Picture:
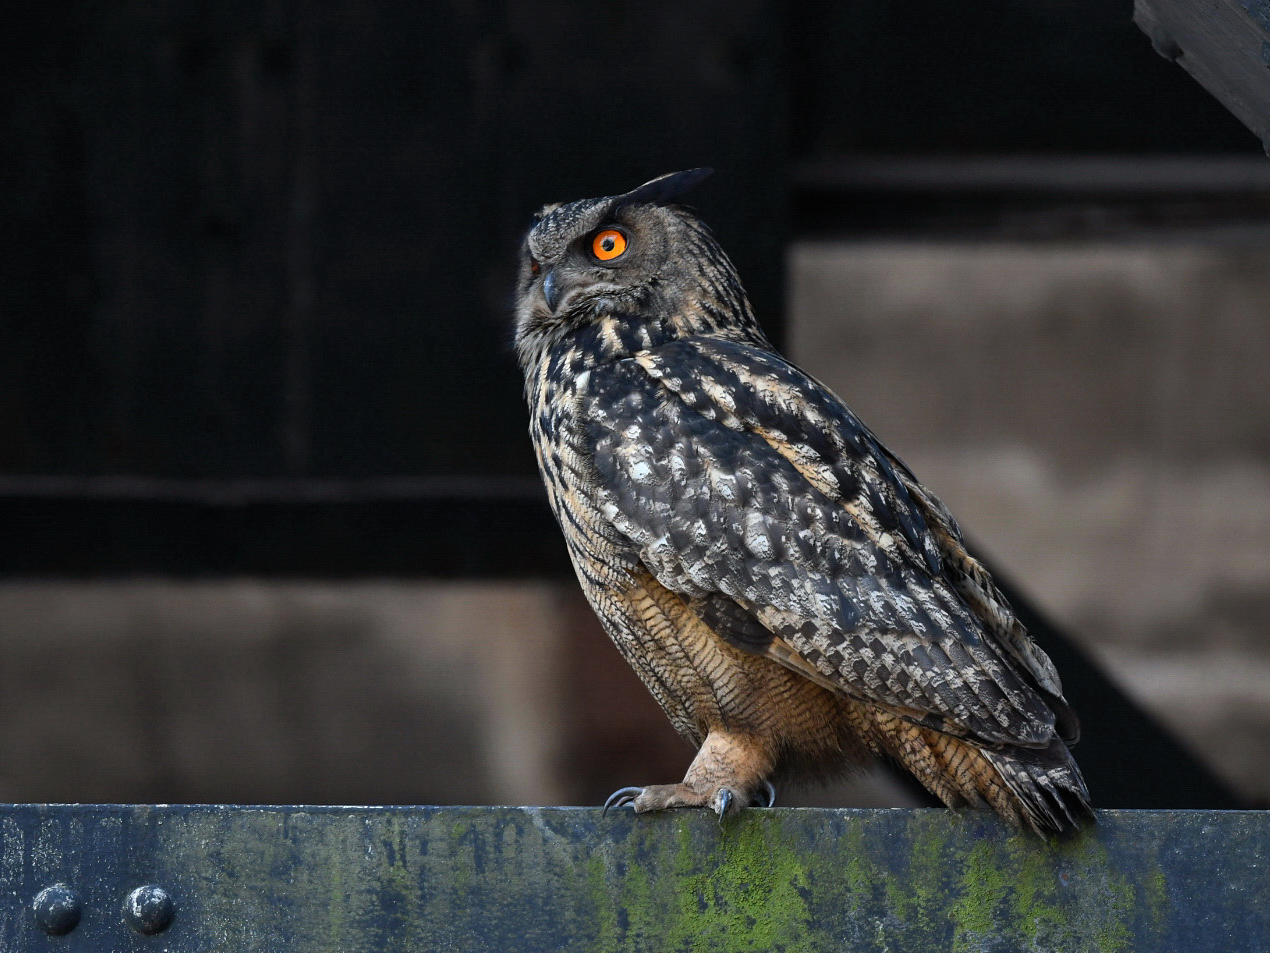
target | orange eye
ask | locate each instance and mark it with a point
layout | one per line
(608, 244)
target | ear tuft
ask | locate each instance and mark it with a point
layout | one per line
(663, 189)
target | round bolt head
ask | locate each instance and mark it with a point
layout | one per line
(149, 910)
(57, 909)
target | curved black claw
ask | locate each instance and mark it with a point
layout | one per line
(725, 800)
(769, 790)
(620, 798)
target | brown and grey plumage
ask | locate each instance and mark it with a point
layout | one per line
(791, 595)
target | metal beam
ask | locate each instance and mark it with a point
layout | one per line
(349, 880)
(1223, 44)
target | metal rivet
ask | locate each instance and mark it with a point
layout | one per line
(57, 909)
(149, 910)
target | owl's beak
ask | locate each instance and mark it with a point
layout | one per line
(550, 290)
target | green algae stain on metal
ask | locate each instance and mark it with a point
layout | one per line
(926, 881)
(462, 873)
(640, 915)
(1035, 911)
(953, 883)
(335, 918)
(748, 896)
(983, 888)
(1109, 898)
(1153, 901)
(858, 874)
(1064, 893)
(1157, 898)
(605, 911)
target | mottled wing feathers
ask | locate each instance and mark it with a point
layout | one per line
(757, 390)
(975, 586)
(791, 518)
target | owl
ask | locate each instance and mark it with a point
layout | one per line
(792, 596)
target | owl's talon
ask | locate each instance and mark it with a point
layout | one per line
(724, 799)
(769, 790)
(620, 798)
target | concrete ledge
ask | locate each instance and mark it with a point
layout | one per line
(348, 880)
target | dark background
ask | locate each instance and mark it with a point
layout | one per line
(257, 395)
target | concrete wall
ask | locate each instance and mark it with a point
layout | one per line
(249, 691)
(259, 692)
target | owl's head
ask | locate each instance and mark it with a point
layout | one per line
(633, 254)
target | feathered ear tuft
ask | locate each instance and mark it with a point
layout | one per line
(663, 189)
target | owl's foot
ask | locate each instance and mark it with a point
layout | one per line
(728, 773)
(662, 796)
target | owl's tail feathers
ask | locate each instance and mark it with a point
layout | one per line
(1049, 794)
(1037, 788)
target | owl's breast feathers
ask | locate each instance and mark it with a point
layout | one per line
(750, 490)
